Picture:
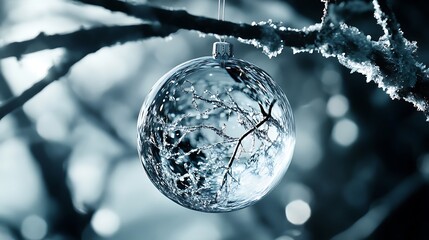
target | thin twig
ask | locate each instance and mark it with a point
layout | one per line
(267, 116)
(387, 19)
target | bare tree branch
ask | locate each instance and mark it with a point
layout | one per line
(84, 38)
(79, 44)
(55, 72)
(411, 76)
(183, 20)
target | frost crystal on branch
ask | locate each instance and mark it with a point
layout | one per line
(270, 41)
(390, 61)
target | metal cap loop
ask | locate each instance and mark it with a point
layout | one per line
(222, 50)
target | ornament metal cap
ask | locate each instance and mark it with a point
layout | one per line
(222, 50)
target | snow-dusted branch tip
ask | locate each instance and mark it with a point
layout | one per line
(389, 61)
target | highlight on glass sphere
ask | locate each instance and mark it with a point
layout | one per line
(216, 134)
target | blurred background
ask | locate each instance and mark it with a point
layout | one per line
(68, 162)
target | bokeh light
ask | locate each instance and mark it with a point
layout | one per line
(284, 238)
(331, 80)
(105, 222)
(34, 227)
(85, 174)
(337, 106)
(298, 212)
(345, 132)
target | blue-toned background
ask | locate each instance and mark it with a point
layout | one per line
(68, 162)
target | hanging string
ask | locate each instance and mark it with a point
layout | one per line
(221, 10)
(221, 14)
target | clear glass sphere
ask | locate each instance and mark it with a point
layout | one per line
(216, 135)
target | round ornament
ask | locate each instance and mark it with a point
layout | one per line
(216, 134)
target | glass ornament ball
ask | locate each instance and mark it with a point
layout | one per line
(216, 134)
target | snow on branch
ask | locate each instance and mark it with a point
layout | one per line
(389, 61)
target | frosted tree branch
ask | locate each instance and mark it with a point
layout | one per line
(389, 61)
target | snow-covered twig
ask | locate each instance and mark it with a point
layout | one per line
(411, 79)
(389, 61)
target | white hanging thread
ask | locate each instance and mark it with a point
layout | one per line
(221, 14)
(221, 10)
